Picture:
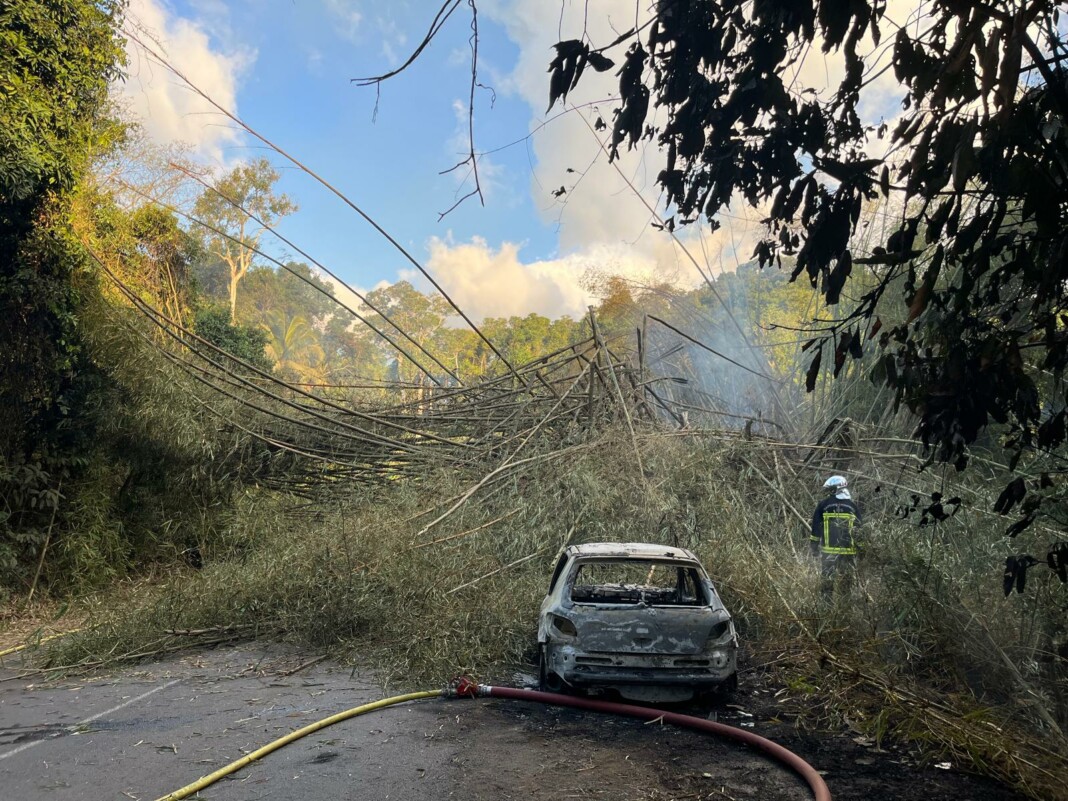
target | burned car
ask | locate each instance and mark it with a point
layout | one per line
(642, 619)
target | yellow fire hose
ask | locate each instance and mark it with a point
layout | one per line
(233, 767)
(466, 688)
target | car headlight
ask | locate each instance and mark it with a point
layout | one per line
(564, 626)
(719, 630)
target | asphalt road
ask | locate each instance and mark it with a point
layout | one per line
(145, 731)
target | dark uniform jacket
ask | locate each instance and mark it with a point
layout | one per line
(832, 527)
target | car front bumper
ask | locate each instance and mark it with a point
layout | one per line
(583, 669)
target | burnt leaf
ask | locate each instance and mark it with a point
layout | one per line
(844, 341)
(563, 69)
(1052, 432)
(923, 294)
(856, 350)
(937, 512)
(1015, 458)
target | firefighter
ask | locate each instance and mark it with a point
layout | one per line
(832, 532)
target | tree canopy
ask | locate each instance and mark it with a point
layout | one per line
(56, 60)
(238, 209)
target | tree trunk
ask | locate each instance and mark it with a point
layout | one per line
(233, 296)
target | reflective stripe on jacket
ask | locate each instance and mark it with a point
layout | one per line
(832, 527)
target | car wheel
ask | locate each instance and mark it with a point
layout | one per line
(548, 682)
(718, 695)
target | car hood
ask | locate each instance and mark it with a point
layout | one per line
(644, 629)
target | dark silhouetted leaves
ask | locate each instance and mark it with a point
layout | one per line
(600, 63)
(1015, 574)
(974, 268)
(1057, 559)
(1052, 432)
(630, 117)
(1020, 526)
(813, 371)
(565, 70)
(937, 511)
(837, 278)
(1013, 493)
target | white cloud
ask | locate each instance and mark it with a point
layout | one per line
(315, 61)
(350, 296)
(347, 15)
(495, 282)
(598, 208)
(170, 111)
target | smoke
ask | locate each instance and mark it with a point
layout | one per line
(713, 357)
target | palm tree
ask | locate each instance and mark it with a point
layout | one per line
(293, 344)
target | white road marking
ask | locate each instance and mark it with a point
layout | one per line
(71, 729)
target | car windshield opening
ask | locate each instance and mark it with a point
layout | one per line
(633, 581)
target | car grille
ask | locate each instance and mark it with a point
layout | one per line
(596, 664)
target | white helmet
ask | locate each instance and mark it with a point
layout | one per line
(836, 483)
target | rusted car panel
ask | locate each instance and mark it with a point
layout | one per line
(643, 619)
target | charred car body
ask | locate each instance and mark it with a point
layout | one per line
(642, 619)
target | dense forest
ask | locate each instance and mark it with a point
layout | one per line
(206, 430)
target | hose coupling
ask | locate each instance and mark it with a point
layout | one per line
(464, 687)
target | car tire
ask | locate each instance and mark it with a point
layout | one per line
(548, 682)
(720, 694)
(728, 687)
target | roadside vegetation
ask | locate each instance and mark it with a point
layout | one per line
(926, 649)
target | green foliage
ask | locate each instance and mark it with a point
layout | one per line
(245, 342)
(56, 61)
(297, 290)
(520, 339)
(293, 346)
(144, 246)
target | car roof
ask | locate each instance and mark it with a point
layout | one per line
(636, 550)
